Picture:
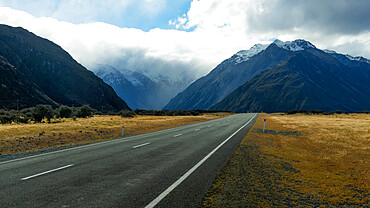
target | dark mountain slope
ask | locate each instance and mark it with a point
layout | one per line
(225, 78)
(14, 87)
(55, 72)
(309, 79)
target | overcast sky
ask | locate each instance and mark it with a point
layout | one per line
(183, 37)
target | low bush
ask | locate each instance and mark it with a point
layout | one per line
(42, 111)
(64, 111)
(84, 112)
(292, 112)
(127, 114)
(316, 111)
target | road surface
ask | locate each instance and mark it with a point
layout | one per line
(170, 168)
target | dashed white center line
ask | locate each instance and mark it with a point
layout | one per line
(177, 135)
(159, 198)
(46, 172)
(196, 129)
(140, 145)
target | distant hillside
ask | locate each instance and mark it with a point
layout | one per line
(308, 79)
(51, 74)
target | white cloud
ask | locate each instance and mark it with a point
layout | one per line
(336, 25)
(211, 31)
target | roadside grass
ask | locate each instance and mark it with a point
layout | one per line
(302, 160)
(23, 138)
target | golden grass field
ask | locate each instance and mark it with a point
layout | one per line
(327, 165)
(21, 138)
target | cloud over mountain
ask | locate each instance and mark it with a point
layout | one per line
(211, 31)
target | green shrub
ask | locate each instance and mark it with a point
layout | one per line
(127, 114)
(5, 119)
(316, 111)
(42, 111)
(84, 112)
(292, 112)
(64, 111)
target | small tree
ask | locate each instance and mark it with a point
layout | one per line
(64, 111)
(127, 114)
(41, 112)
(84, 111)
(4, 119)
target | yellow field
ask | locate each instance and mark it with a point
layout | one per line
(334, 156)
(328, 164)
(20, 138)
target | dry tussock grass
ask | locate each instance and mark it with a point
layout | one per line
(20, 138)
(307, 161)
(333, 155)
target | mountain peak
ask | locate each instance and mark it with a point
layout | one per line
(297, 45)
(244, 55)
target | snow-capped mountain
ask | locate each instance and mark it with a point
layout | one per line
(346, 58)
(297, 45)
(136, 89)
(244, 55)
(305, 80)
(248, 64)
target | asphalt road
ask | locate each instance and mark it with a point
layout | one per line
(170, 168)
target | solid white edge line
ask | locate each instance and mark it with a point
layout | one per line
(187, 174)
(46, 172)
(177, 135)
(140, 145)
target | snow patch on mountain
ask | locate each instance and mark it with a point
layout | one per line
(134, 77)
(297, 45)
(244, 55)
(329, 51)
(358, 58)
(109, 74)
(352, 58)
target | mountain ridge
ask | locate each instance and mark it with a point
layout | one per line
(234, 72)
(303, 81)
(54, 71)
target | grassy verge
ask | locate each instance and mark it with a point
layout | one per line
(22, 138)
(302, 160)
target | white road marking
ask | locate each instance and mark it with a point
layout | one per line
(209, 125)
(140, 145)
(187, 174)
(46, 172)
(119, 140)
(196, 129)
(177, 135)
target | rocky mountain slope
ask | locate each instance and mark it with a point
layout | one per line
(53, 75)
